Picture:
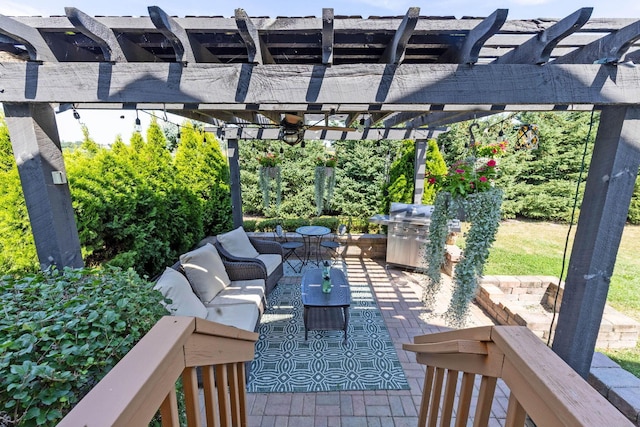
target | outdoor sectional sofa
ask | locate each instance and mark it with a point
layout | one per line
(225, 279)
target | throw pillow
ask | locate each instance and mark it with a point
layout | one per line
(237, 243)
(205, 271)
(173, 285)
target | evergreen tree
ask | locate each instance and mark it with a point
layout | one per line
(434, 165)
(361, 175)
(401, 174)
(17, 248)
(203, 168)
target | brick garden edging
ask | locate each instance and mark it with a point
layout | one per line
(528, 301)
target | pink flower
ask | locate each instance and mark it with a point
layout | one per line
(459, 170)
(432, 180)
(491, 163)
(483, 179)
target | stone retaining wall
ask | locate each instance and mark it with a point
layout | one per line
(372, 246)
(528, 301)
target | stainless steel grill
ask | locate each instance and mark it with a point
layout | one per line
(408, 233)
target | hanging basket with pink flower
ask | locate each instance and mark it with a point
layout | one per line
(467, 187)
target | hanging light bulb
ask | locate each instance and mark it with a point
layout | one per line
(76, 115)
(178, 136)
(138, 126)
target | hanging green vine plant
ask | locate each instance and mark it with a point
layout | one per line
(319, 189)
(269, 171)
(436, 247)
(483, 212)
(466, 188)
(325, 181)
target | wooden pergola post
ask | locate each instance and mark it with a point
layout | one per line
(234, 177)
(419, 170)
(36, 148)
(610, 183)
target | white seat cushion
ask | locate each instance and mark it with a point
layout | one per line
(271, 261)
(205, 271)
(174, 286)
(243, 316)
(241, 292)
(237, 243)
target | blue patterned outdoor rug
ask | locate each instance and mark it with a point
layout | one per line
(285, 362)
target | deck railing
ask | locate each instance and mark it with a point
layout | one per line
(541, 384)
(144, 381)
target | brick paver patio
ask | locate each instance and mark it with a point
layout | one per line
(398, 294)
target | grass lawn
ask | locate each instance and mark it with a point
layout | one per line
(536, 248)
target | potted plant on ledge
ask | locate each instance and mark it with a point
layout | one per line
(467, 188)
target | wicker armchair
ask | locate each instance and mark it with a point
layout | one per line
(250, 268)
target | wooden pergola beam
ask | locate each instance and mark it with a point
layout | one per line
(183, 45)
(395, 50)
(30, 37)
(348, 84)
(537, 50)
(606, 50)
(98, 32)
(273, 133)
(470, 50)
(257, 51)
(327, 36)
(399, 118)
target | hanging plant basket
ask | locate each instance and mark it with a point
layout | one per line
(325, 182)
(482, 211)
(328, 172)
(269, 174)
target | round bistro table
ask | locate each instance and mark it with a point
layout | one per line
(312, 236)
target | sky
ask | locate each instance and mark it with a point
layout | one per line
(105, 125)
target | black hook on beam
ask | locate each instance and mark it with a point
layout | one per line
(472, 138)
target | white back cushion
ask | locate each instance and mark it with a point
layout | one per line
(173, 285)
(205, 272)
(237, 243)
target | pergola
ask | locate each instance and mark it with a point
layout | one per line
(397, 77)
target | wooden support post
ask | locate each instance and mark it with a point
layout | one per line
(36, 148)
(236, 191)
(608, 191)
(419, 170)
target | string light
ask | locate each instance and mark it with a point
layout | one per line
(138, 126)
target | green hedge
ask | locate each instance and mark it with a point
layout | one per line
(62, 331)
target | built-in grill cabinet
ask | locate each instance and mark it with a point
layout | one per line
(408, 233)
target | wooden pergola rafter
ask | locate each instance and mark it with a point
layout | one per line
(399, 76)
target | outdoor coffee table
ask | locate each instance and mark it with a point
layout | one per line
(325, 311)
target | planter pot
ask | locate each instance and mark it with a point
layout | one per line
(271, 171)
(328, 172)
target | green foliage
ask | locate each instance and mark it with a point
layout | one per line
(203, 169)
(634, 207)
(466, 177)
(130, 208)
(435, 166)
(62, 331)
(359, 177)
(541, 183)
(17, 248)
(400, 187)
(483, 212)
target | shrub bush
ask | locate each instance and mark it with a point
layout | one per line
(62, 331)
